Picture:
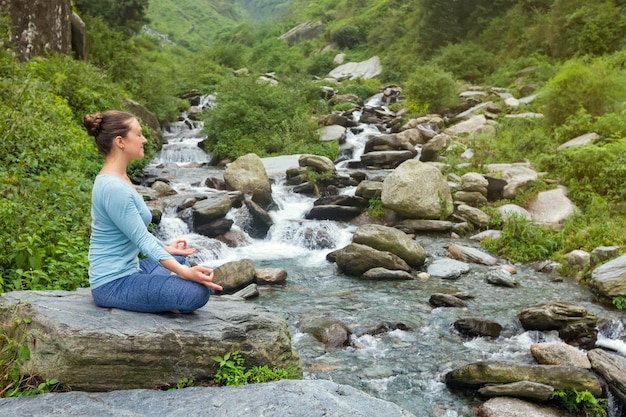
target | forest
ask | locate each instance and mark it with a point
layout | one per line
(572, 52)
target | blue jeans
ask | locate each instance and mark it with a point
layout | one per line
(154, 289)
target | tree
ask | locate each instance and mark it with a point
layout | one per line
(128, 15)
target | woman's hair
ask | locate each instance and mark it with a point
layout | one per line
(105, 127)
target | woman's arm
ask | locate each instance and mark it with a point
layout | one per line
(199, 274)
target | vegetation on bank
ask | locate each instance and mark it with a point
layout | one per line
(47, 162)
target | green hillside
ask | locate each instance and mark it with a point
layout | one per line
(193, 23)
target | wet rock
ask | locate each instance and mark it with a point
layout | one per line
(604, 253)
(501, 278)
(468, 254)
(612, 367)
(445, 300)
(523, 389)
(270, 276)
(609, 279)
(478, 374)
(247, 174)
(261, 220)
(576, 326)
(233, 276)
(476, 326)
(369, 189)
(471, 198)
(473, 215)
(514, 407)
(332, 333)
(333, 212)
(558, 353)
(447, 268)
(382, 274)
(427, 226)
(386, 159)
(356, 259)
(392, 240)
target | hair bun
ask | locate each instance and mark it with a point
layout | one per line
(92, 123)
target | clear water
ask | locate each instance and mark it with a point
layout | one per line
(402, 366)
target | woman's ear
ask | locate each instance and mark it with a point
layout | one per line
(118, 141)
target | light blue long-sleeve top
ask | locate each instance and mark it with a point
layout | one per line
(119, 220)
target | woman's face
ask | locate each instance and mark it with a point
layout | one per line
(134, 141)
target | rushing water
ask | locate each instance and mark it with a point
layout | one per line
(402, 366)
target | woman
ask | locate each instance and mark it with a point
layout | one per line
(162, 282)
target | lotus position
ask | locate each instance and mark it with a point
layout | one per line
(164, 281)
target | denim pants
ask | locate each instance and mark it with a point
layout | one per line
(154, 289)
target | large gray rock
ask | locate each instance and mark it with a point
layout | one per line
(304, 31)
(391, 240)
(417, 190)
(609, 279)
(356, 259)
(575, 324)
(478, 374)
(247, 174)
(551, 208)
(286, 398)
(96, 349)
(514, 407)
(351, 70)
(612, 367)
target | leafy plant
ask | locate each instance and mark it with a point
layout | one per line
(182, 383)
(430, 88)
(375, 207)
(523, 241)
(233, 372)
(619, 302)
(581, 402)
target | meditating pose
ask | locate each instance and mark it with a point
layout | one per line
(164, 281)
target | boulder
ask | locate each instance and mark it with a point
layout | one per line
(514, 407)
(575, 324)
(318, 163)
(297, 398)
(477, 326)
(551, 208)
(532, 391)
(356, 259)
(478, 374)
(352, 70)
(609, 279)
(559, 353)
(304, 31)
(382, 274)
(392, 240)
(468, 254)
(247, 174)
(612, 367)
(95, 349)
(447, 268)
(235, 275)
(417, 190)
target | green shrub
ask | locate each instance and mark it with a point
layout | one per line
(468, 61)
(523, 241)
(596, 86)
(375, 208)
(347, 37)
(619, 302)
(253, 117)
(431, 89)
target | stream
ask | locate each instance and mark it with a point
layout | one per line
(402, 366)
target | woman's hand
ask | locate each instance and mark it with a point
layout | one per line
(179, 247)
(201, 275)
